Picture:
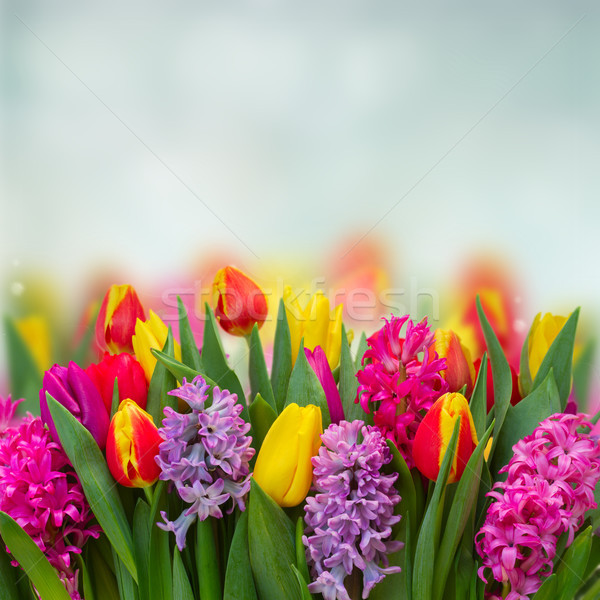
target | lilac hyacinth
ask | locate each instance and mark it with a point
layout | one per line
(40, 490)
(205, 455)
(401, 380)
(349, 520)
(550, 486)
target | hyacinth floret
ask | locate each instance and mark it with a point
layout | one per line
(40, 490)
(349, 520)
(205, 455)
(400, 380)
(550, 485)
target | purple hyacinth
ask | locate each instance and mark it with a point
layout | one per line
(550, 486)
(349, 520)
(40, 490)
(205, 454)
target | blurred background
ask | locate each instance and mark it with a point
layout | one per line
(393, 145)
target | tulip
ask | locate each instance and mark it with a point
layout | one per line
(73, 388)
(118, 314)
(543, 332)
(318, 362)
(240, 303)
(283, 468)
(129, 374)
(434, 433)
(36, 335)
(132, 444)
(151, 334)
(459, 369)
(315, 324)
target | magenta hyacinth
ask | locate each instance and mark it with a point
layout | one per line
(400, 380)
(8, 408)
(40, 490)
(205, 455)
(317, 359)
(550, 486)
(349, 520)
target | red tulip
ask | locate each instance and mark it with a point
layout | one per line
(128, 372)
(459, 369)
(434, 433)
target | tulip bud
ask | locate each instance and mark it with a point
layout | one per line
(128, 372)
(315, 324)
(459, 369)
(283, 467)
(151, 334)
(543, 332)
(118, 314)
(240, 303)
(131, 446)
(73, 388)
(434, 433)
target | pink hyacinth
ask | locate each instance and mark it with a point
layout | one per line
(40, 490)
(550, 486)
(401, 380)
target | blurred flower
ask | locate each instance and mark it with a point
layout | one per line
(349, 520)
(151, 334)
(543, 332)
(398, 386)
(132, 446)
(318, 362)
(283, 467)
(459, 369)
(240, 303)
(35, 333)
(515, 396)
(434, 433)
(73, 388)
(8, 409)
(205, 453)
(550, 486)
(128, 372)
(40, 490)
(117, 318)
(315, 324)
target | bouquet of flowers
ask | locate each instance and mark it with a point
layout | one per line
(402, 469)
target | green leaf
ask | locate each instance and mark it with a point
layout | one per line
(460, 511)
(259, 376)
(141, 541)
(525, 380)
(282, 358)
(162, 382)
(159, 566)
(500, 374)
(547, 590)
(571, 568)
(207, 561)
(426, 550)
(114, 407)
(349, 383)
(478, 401)
(32, 560)
(102, 574)
(360, 352)
(523, 418)
(24, 374)
(404, 484)
(182, 589)
(582, 374)
(559, 358)
(262, 416)
(270, 546)
(305, 388)
(239, 584)
(190, 355)
(98, 485)
(302, 585)
(300, 551)
(8, 576)
(127, 587)
(84, 580)
(214, 361)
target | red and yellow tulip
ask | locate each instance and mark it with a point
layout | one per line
(434, 433)
(459, 366)
(131, 446)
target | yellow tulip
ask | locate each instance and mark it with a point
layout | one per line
(543, 332)
(35, 333)
(150, 334)
(316, 324)
(283, 468)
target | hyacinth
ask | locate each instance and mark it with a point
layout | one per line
(550, 486)
(8, 409)
(40, 490)
(349, 520)
(205, 455)
(401, 380)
